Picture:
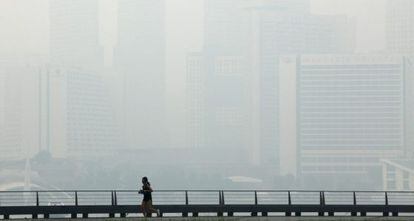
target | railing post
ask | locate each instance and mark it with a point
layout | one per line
(289, 199)
(185, 214)
(354, 196)
(75, 215)
(35, 215)
(221, 202)
(37, 198)
(255, 197)
(386, 212)
(113, 203)
(354, 213)
(115, 198)
(289, 213)
(386, 198)
(322, 203)
(220, 198)
(322, 198)
(254, 213)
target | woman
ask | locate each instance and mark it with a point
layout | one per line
(146, 205)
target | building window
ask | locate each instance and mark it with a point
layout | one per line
(406, 180)
(391, 178)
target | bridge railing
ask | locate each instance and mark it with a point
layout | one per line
(204, 197)
(85, 202)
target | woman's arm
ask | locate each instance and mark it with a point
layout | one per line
(149, 189)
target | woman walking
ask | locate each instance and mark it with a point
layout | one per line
(146, 205)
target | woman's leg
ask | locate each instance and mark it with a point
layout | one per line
(150, 207)
(143, 208)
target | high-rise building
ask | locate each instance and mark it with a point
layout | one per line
(283, 29)
(140, 61)
(350, 114)
(219, 120)
(18, 109)
(226, 27)
(409, 105)
(400, 26)
(196, 106)
(74, 33)
(219, 96)
(77, 119)
(249, 37)
(80, 120)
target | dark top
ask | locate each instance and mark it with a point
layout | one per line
(147, 192)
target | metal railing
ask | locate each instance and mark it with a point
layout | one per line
(288, 202)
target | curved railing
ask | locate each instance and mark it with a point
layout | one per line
(288, 202)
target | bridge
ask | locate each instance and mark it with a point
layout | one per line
(120, 203)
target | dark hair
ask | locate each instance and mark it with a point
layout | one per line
(145, 179)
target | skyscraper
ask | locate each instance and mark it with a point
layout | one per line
(140, 61)
(400, 26)
(74, 33)
(18, 109)
(249, 36)
(80, 119)
(219, 97)
(196, 106)
(400, 40)
(286, 28)
(350, 115)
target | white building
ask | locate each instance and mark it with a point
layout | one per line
(80, 120)
(283, 28)
(350, 115)
(400, 26)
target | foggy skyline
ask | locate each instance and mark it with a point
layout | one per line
(294, 93)
(29, 35)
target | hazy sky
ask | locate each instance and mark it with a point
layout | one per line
(24, 23)
(24, 30)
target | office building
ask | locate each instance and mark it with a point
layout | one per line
(350, 115)
(139, 60)
(74, 33)
(400, 26)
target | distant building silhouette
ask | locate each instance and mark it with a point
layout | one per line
(219, 89)
(80, 118)
(18, 108)
(350, 115)
(245, 39)
(139, 60)
(400, 26)
(78, 121)
(285, 28)
(74, 33)
(398, 174)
